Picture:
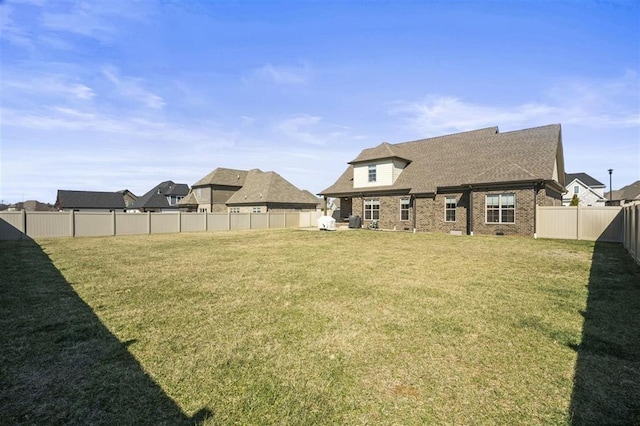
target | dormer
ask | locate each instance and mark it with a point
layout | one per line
(379, 166)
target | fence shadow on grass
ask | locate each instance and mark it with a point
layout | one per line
(58, 363)
(606, 387)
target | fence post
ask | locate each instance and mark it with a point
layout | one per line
(72, 223)
(206, 220)
(179, 221)
(24, 224)
(149, 222)
(113, 216)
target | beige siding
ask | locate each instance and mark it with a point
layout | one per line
(384, 174)
(398, 166)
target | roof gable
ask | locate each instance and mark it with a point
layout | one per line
(156, 198)
(584, 178)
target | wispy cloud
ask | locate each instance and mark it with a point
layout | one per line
(284, 75)
(132, 88)
(309, 129)
(47, 84)
(96, 20)
(597, 104)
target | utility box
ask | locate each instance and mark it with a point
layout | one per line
(355, 221)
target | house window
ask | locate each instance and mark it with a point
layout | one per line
(450, 209)
(372, 173)
(203, 210)
(405, 206)
(257, 209)
(501, 208)
(234, 209)
(371, 210)
(576, 189)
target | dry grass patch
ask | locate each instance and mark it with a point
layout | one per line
(297, 327)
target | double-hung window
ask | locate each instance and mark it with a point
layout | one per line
(257, 209)
(449, 209)
(234, 209)
(371, 210)
(405, 208)
(372, 173)
(500, 208)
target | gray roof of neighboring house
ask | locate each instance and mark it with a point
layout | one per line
(483, 156)
(268, 187)
(223, 177)
(584, 178)
(156, 198)
(629, 192)
(89, 200)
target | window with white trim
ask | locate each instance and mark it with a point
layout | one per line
(500, 208)
(372, 173)
(234, 209)
(450, 209)
(576, 189)
(371, 209)
(257, 209)
(405, 208)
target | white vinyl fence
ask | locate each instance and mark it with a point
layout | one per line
(21, 224)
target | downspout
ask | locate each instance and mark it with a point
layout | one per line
(413, 207)
(535, 210)
(470, 211)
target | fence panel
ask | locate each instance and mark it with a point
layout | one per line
(580, 223)
(193, 222)
(292, 220)
(93, 224)
(50, 224)
(240, 221)
(165, 223)
(259, 220)
(11, 225)
(557, 222)
(276, 220)
(600, 223)
(132, 223)
(217, 222)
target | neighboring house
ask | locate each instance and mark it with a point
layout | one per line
(164, 197)
(240, 191)
(93, 201)
(480, 181)
(32, 206)
(128, 196)
(589, 191)
(627, 195)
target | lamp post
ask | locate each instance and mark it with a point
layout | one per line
(610, 188)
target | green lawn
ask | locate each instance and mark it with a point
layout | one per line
(299, 327)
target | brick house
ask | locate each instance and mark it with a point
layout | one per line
(481, 181)
(246, 191)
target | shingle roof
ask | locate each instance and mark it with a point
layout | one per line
(156, 198)
(89, 200)
(189, 200)
(268, 187)
(482, 156)
(629, 192)
(384, 150)
(223, 177)
(584, 178)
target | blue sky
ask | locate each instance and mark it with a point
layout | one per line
(108, 95)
